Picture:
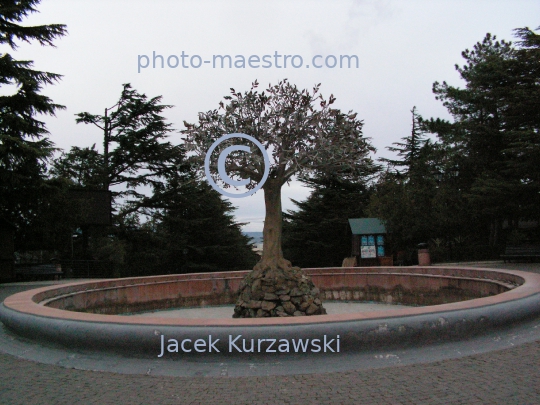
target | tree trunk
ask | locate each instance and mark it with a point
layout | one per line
(275, 287)
(272, 257)
(106, 152)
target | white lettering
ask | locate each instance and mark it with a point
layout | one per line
(211, 344)
(300, 344)
(162, 346)
(285, 344)
(327, 345)
(198, 343)
(317, 345)
(183, 343)
(231, 344)
(174, 345)
(272, 341)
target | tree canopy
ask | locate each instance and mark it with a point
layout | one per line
(495, 132)
(481, 172)
(317, 232)
(135, 150)
(24, 146)
(195, 229)
(179, 225)
(303, 135)
(301, 132)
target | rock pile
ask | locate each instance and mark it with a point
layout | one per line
(278, 293)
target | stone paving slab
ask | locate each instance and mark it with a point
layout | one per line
(504, 377)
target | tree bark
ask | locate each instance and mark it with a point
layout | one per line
(275, 287)
(272, 257)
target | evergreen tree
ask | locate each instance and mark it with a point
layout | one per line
(317, 234)
(412, 150)
(135, 152)
(192, 230)
(81, 167)
(24, 146)
(495, 129)
(55, 217)
(523, 120)
(403, 195)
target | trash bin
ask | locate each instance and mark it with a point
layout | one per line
(423, 255)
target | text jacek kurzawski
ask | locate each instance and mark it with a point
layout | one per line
(238, 344)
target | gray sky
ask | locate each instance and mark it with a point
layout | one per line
(402, 48)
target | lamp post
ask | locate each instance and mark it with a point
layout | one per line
(73, 236)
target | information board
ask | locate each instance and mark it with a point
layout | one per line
(368, 252)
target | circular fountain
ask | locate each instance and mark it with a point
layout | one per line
(445, 303)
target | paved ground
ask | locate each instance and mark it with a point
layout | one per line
(509, 376)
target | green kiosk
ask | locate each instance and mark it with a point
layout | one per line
(369, 242)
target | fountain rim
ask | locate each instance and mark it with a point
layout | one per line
(24, 302)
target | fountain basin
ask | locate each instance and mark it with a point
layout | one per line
(456, 303)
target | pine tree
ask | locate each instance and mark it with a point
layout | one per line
(81, 167)
(192, 230)
(135, 152)
(523, 121)
(403, 196)
(478, 130)
(411, 150)
(495, 129)
(24, 146)
(317, 234)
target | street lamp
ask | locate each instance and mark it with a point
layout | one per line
(73, 236)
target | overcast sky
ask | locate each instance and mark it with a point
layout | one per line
(402, 48)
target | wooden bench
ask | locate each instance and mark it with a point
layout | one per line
(521, 252)
(39, 272)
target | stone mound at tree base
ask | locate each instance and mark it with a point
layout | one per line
(278, 292)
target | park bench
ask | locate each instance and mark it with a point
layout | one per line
(530, 253)
(38, 272)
